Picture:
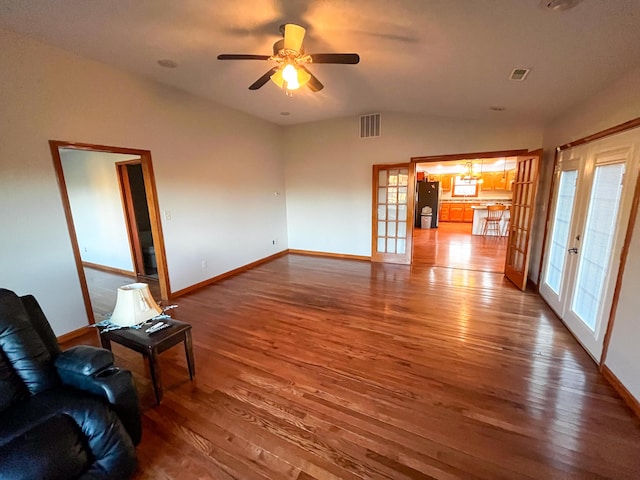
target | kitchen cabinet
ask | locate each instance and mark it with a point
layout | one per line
(456, 212)
(444, 212)
(500, 181)
(497, 180)
(445, 183)
(487, 181)
(467, 214)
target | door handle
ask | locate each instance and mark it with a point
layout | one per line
(573, 251)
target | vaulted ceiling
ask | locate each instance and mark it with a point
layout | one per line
(449, 58)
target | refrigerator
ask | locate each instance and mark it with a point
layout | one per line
(427, 194)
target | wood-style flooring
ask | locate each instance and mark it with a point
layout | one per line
(452, 245)
(321, 368)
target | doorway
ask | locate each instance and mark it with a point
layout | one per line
(465, 185)
(136, 211)
(100, 226)
(589, 213)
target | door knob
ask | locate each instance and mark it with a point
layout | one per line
(573, 251)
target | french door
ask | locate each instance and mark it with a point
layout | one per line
(593, 192)
(392, 219)
(522, 209)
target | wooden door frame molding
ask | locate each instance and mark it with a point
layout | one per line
(130, 215)
(152, 201)
(601, 134)
(467, 156)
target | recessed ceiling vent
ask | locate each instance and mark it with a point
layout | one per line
(370, 125)
(519, 74)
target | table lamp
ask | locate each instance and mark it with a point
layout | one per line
(134, 305)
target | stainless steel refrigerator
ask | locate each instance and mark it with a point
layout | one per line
(427, 194)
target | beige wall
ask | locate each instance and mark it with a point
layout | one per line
(96, 206)
(329, 169)
(217, 171)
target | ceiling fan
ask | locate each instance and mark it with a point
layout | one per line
(290, 72)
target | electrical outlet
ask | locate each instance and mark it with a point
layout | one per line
(275, 242)
(167, 214)
(204, 265)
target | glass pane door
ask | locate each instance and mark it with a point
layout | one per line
(391, 232)
(599, 233)
(522, 209)
(556, 278)
(560, 230)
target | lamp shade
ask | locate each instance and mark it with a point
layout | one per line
(134, 305)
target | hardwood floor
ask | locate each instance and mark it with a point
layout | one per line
(321, 368)
(452, 245)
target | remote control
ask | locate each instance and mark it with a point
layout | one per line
(157, 327)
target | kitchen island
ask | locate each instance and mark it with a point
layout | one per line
(479, 214)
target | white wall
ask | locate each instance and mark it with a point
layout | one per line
(618, 103)
(96, 207)
(216, 171)
(329, 170)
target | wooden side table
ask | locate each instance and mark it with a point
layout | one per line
(151, 345)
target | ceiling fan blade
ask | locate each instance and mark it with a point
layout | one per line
(293, 36)
(263, 79)
(313, 84)
(239, 56)
(343, 58)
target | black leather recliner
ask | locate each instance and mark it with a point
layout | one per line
(63, 415)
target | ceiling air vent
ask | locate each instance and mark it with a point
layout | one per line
(370, 125)
(519, 74)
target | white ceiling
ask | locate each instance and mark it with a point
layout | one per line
(449, 58)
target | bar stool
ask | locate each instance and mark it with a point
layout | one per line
(507, 221)
(493, 219)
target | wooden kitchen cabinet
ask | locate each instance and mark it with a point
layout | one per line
(467, 215)
(500, 181)
(456, 212)
(444, 212)
(445, 182)
(487, 181)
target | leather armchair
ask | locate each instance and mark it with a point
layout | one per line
(64, 415)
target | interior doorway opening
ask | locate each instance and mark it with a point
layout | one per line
(453, 193)
(136, 211)
(103, 207)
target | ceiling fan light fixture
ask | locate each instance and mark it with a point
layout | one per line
(290, 72)
(290, 75)
(293, 36)
(290, 78)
